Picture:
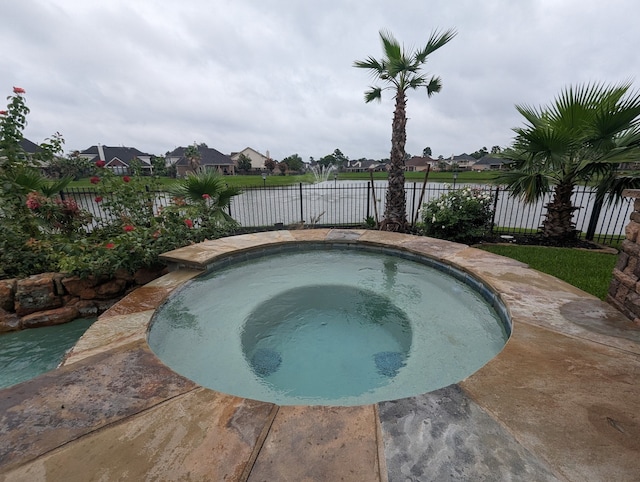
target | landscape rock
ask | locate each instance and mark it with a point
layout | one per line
(50, 317)
(9, 321)
(7, 293)
(36, 293)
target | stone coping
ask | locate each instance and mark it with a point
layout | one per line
(560, 402)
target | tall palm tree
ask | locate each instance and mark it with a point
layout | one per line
(584, 134)
(400, 71)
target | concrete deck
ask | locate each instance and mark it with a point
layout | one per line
(560, 402)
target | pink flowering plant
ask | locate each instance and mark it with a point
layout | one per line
(134, 225)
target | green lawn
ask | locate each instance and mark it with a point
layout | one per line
(586, 269)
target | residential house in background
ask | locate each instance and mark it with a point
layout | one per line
(208, 158)
(417, 163)
(462, 162)
(490, 163)
(257, 159)
(118, 159)
(363, 165)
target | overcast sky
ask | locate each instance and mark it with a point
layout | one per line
(277, 75)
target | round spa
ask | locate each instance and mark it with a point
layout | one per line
(329, 324)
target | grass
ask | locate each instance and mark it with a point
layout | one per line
(588, 270)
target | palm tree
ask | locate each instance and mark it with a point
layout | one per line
(400, 71)
(192, 153)
(583, 135)
(209, 189)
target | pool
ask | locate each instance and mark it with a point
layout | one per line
(329, 325)
(26, 354)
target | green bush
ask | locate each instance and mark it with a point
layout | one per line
(463, 215)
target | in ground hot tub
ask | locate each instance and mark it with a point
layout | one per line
(329, 324)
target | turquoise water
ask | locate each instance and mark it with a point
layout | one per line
(326, 327)
(28, 353)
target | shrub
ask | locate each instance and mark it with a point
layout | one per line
(462, 215)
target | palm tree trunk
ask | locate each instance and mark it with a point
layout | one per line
(395, 213)
(558, 221)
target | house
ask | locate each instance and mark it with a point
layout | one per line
(363, 165)
(257, 159)
(416, 164)
(490, 163)
(118, 159)
(208, 159)
(462, 162)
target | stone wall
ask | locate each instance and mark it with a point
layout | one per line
(53, 298)
(624, 290)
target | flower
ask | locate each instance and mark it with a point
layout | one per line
(156, 235)
(98, 199)
(128, 228)
(100, 163)
(18, 90)
(32, 200)
(206, 196)
(126, 178)
(3, 112)
(189, 223)
(109, 245)
(94, 180)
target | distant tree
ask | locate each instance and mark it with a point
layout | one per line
(442, 165)
(479, 153)
(72, 166)
(270, 164)
(496, 150)
(283, 167)
(294, 161)
(426, 152)
(159, 165)
(327, 160)
(399, 71)
(135, 166)
(244, 163)
(339, 159)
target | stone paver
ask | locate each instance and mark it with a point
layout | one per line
(572, 402)
(199, 436)
(443, 435)
(313, 444)
(61, 405)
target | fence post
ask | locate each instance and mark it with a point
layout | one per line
(61, 193)
(369, 199)
(595, 216)
(301, 206)
(495, 207)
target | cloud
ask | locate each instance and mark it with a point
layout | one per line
(277, 75)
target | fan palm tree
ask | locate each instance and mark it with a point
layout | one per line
(206, 187)
(584, 134)
(400, 71)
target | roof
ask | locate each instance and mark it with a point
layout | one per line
(419, 161)
(28, 146)
(123, 154)
(208, 157)
(490, 160)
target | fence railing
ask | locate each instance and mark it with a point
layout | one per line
(351, 203)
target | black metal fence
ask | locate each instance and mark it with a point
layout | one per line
(350, 203)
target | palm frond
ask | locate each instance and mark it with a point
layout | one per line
(374, 93)
(530, 186)
(436, 40)
(434, 86)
